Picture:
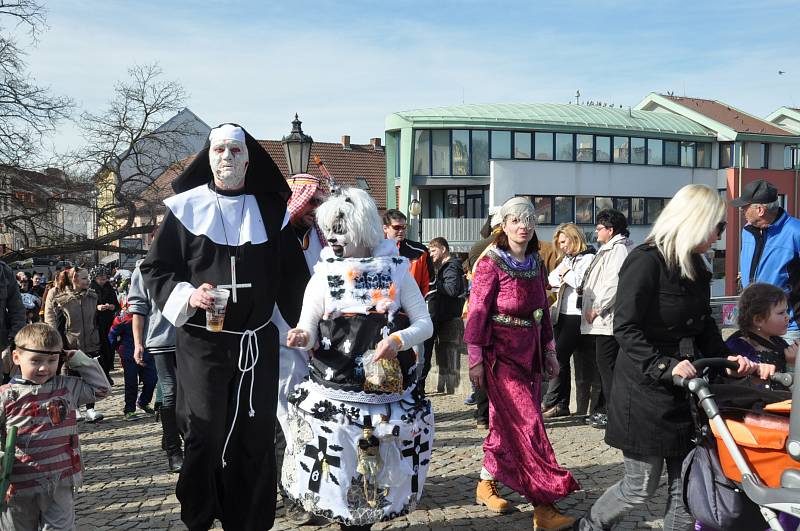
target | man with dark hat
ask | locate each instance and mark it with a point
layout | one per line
(227, 227)
(770, 244)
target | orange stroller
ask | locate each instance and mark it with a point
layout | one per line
(759, 452)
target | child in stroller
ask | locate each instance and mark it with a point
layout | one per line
(763, 319)
(747, 461)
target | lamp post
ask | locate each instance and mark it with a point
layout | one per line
(415, 209)
(297, 148)
(95, 222)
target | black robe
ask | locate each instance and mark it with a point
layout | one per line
(242, 493)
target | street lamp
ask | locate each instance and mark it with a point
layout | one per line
(297, 148)
(415, 209)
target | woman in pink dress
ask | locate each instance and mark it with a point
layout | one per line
(510, 343)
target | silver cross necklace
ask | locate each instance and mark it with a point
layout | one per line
(232, 255)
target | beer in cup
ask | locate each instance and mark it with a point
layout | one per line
(215, 316)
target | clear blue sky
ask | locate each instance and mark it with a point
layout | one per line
(343, 66)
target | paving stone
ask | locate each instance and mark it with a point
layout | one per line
(127, 485)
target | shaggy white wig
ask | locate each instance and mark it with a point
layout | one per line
(350, 219)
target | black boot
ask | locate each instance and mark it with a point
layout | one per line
(171, 438)
(175, 462)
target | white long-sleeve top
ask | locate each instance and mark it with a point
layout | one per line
(409, 298)
(566, 277)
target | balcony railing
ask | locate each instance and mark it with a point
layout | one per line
(460, 233)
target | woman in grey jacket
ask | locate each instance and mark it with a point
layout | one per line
(78, 305)
(599, 291)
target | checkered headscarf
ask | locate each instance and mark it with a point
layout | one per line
(303, 187)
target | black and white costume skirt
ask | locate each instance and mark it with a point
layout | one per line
(322, 468)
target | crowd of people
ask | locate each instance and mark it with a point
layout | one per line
(331, 321)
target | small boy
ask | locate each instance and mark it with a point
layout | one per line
(121, 338)
(41, 404)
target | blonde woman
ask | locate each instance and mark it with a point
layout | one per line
(566, 279)
(662, 319)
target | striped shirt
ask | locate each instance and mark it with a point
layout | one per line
(47, 449)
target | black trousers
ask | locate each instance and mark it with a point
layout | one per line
(481, 405)
(241, 494)
(606, 350)
(568, 335)
(426, 363)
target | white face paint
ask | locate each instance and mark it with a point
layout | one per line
(228, 159)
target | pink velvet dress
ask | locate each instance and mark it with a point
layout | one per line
(504, 307)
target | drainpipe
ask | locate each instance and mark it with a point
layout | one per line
(740, 162)
(796, 169)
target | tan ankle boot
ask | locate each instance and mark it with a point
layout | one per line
(548, 518)
(486, 494)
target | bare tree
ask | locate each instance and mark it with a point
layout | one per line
(28, 112)
(140, 135)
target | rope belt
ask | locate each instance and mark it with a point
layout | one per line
(248, 357)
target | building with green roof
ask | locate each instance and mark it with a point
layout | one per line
(572, 160)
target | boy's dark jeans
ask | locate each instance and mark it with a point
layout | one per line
(133, 375)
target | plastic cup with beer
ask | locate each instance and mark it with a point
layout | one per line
(215, 315)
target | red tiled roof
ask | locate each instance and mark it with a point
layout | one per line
(343, 164)
(739, 121)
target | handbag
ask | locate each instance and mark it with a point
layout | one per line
(713, 499)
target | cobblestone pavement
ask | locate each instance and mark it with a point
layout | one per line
(127, 485)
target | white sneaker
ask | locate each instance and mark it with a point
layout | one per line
(93, 416)
(78, 416)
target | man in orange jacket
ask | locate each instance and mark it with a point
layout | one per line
(395, 227)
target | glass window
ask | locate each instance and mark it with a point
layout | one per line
(703, 151)
(564, 146)
(687, 154)
(544, 210)
(655, 151)
(544, 146)
(474, 202)
(501, 144)
(455, 203)
(522, 145)
(441, 151)
(422, 161)
(764, 155)
(728, 155)
(637, 150)
(602, 203)
(654, 208)
(637, 211)
(460, 147)
(585, 148)
(584, 210)
(621, 151)
(602, 149)
(563, 209)
(787, 157)
(671, 153)
(623, 204)
(480, 153)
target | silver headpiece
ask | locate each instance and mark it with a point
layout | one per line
(520, 208)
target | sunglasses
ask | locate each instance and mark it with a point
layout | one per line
(721, 228)
(399, 227)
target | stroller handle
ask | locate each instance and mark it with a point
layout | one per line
(786, 379)
(699, 365)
